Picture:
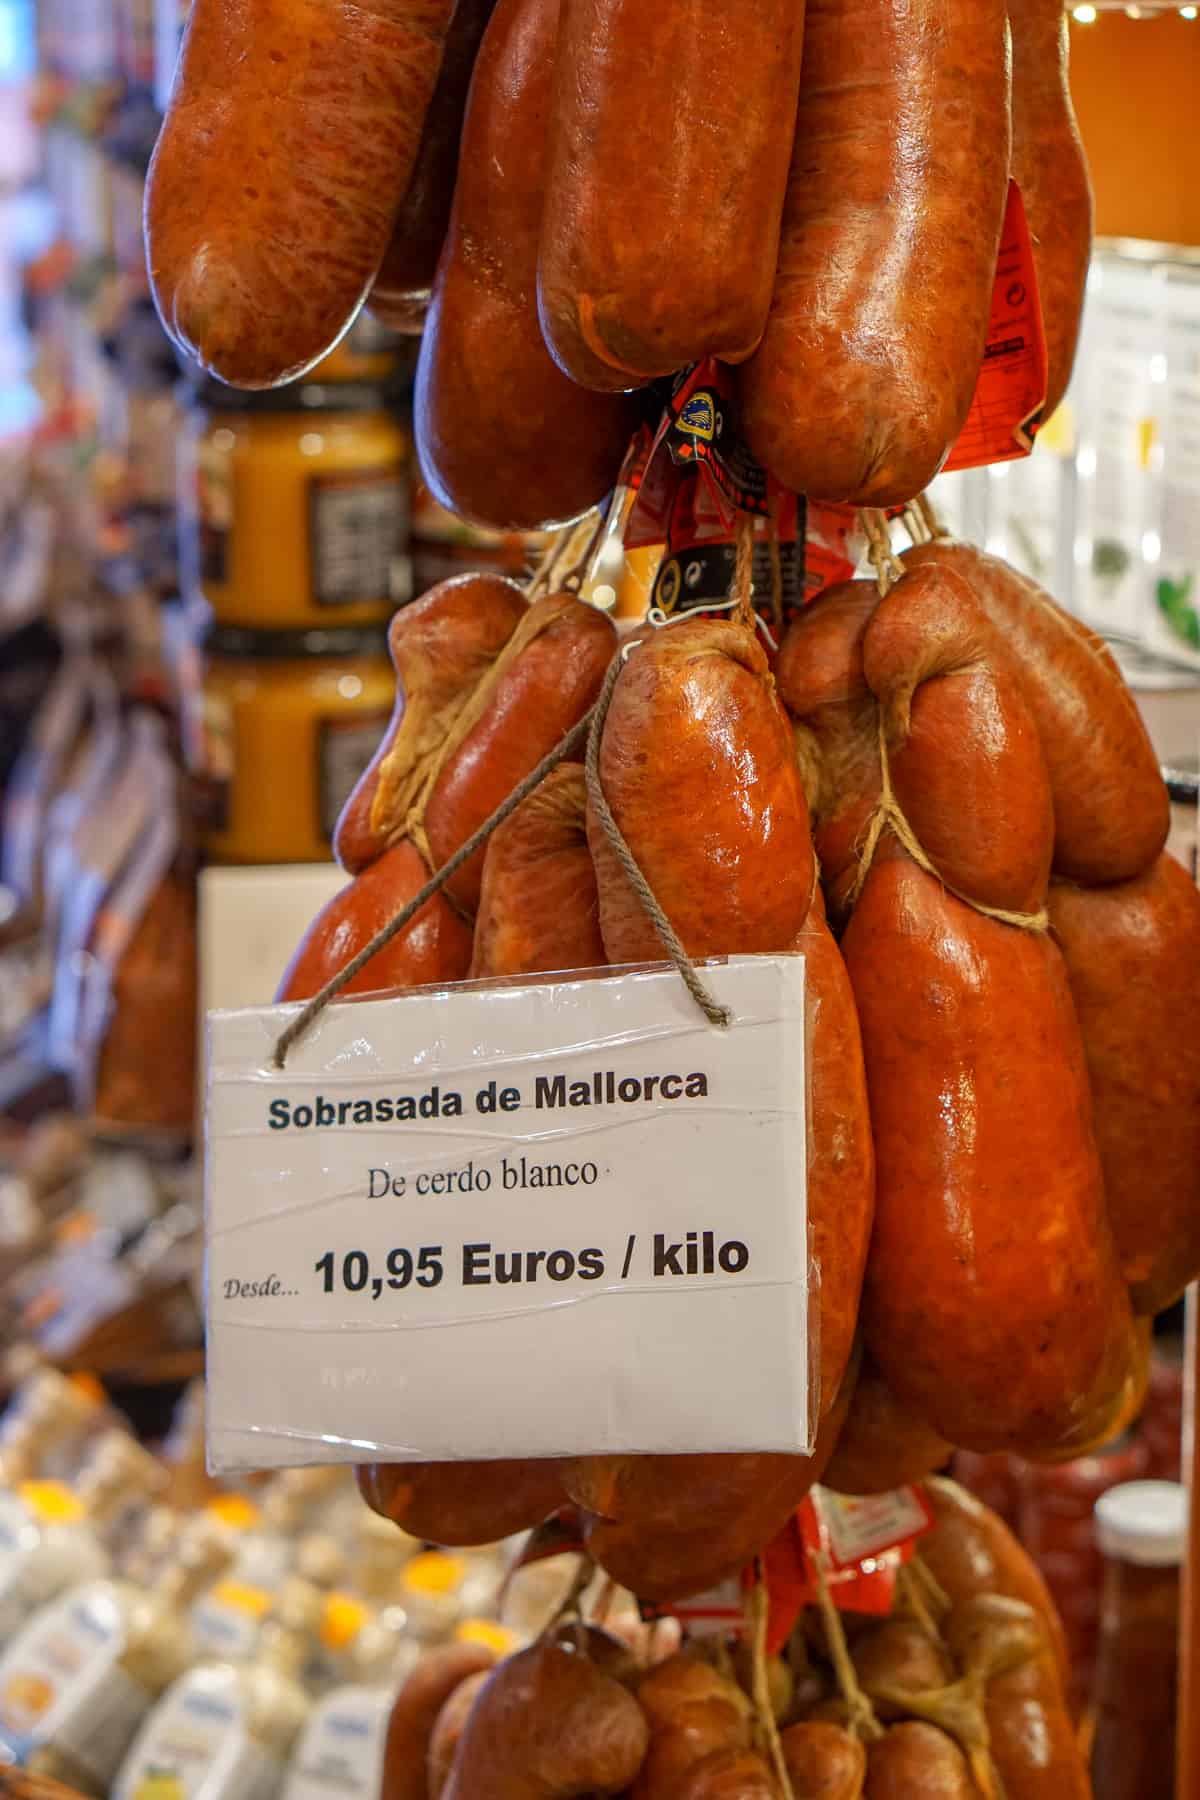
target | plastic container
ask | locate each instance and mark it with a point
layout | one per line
(226, 1730)
(289, 725)
(59, 1537)
(294, 507)
(76, 1683)
(1141, 1529)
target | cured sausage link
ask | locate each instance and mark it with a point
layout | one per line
(289, 141)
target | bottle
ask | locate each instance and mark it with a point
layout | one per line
(45, 1422)
(341, 1750)
(1141, 1529)
(61, 1540)
(150, 1546)
(227, 1620)
(76, 1683)
(225, 1730)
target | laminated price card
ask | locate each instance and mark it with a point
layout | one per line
(544, 1219)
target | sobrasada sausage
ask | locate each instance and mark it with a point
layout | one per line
(289, 141)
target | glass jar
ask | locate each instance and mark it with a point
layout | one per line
(289, 723)
(294, 507)
(1055, 1523)
(369, 352)
(1141, 1530)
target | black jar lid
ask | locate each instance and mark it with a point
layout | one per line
(241, 644)
(303, 398)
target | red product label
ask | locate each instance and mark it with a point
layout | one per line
(696, 479)
(1011, 390)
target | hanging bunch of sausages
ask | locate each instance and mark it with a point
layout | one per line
(580, 197)
(938, 790)
(958, 1694)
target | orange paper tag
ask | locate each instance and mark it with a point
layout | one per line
(1011, 390)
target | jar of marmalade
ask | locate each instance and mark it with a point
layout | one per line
(294, 507)
(289, 723)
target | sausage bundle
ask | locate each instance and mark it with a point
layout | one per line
(574, 198)
(990, 820)
(958, 1695)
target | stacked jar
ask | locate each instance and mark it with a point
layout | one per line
(294, 528)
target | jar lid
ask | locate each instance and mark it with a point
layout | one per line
(290, 646)
(304, 397)
(1143, 1522)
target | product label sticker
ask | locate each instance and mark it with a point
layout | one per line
(55, 1675)
(344, 749)
(696, 479)
(1011, 390)
(444, 1190)
(195, 1743)
(856, 1527)
(341, 1752)
(358, 526)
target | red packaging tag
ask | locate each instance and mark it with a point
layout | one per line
(1011, 390)
(855, 1528)
(694, 484)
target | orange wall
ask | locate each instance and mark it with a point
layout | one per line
(1137, 92)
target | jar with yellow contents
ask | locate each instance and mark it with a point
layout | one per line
(294, 507)
(289, 723)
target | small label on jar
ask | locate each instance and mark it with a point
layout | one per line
(344, 748)
(358, 532)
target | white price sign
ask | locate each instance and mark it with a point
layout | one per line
(564, 1217)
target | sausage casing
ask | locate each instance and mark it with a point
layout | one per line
(659, 245)
(289, 140)
(503, 436)
(896, 198)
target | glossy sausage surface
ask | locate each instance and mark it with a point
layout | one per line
(1111, 813)
(433, 949)
(548, 1725)
(503, 436)
(462, 1503)
(698, 766)
(964, 754)
(408, 267)
(1050, 167)
(542, 684)
(289, 140)
(441, 647)
(824, 1762)
(891, 227)
(430, 1686)
(971, 1551)
(538, 909)
(1133, 957)
(661, 227)
(883, 1445)
(988, 1178)
(914, 1761)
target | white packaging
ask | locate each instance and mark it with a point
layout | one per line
(341, 1751)
(552, 1218)
(1172, 591)
(1121, 356)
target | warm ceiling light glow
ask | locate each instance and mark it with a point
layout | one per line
(1084, 15)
